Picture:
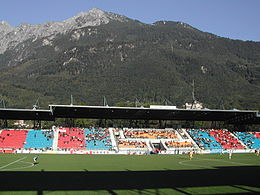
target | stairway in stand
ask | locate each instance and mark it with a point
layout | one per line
(55, 139)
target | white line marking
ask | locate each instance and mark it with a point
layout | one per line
(12, 162)
(225, 161)
(25, 167)
(193, 165)
(189, 162)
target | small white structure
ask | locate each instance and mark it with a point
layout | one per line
(195, 105)
(162, 107)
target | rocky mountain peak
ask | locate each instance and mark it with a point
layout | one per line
(4, 23)
(94, 17)
(12, 36)
(5, 27)
(97, 11)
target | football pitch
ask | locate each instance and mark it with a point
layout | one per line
(129, 174)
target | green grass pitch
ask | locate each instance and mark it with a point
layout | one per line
(129, 174)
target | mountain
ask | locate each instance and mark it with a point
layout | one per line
(11, 37)
(97, 53)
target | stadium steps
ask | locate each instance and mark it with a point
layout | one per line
(121, 133)
(190, 139)
(242, 143)
(164, 145)
(226, 139)
(207, 142)
(179, 137)
(55, 139)
(249, 139)
(149, 145)
(113, 140)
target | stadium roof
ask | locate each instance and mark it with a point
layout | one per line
(132, 113)
(26, 114)
(141, 113)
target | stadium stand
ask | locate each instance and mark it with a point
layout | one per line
(39, 139)
(12, 139)
(127, 140)
(203, 139)
(249, 139)
(97, 139)
(226, 139)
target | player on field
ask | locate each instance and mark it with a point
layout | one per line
(35, 160)
(191, 154)
(230, 154)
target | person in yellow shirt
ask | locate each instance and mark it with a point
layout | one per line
(191, 154)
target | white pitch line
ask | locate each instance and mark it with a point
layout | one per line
(189, 162)
(25, 167)
(225, 161)
(12, 162)
(193, 165)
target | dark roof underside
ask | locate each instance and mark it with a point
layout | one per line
(139, 113)
(26, 114)
(103, 112)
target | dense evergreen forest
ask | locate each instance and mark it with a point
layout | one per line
(125, 61)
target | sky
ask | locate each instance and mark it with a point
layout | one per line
(235, 19)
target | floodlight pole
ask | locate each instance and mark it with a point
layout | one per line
(3, 103)
(36, 105)
(193, 91)
(71, 100)
(105, 101)
(193, 94)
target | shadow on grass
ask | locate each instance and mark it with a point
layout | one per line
(128, 180)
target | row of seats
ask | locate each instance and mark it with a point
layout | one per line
(249, 139)
(13, 139)
(39, 139)
(226, 139)
(97, 139)
(257, 134)
(203, 139)
(71, 139)
(100, 139)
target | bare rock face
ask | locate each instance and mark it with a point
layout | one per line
(12, 36)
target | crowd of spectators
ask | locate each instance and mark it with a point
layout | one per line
(203, 139)
(13, 139)
(150, 134)
(226, 139)
(131, 144)
(99, 137)
(177, 144)
(257, 134)
(71, 139)
(249, 139)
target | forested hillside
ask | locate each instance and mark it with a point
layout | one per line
(126, 59)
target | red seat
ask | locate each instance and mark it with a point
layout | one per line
(226, 139)
(12, 139)
(71, 139)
